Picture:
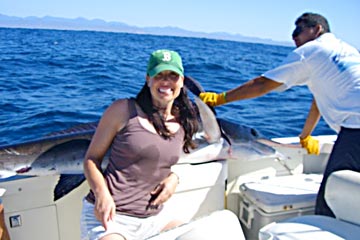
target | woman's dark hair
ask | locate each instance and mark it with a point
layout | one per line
(183, 109)
(313, 19)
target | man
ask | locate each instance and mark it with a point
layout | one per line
(331, 70)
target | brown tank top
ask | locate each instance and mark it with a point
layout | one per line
(139, 161)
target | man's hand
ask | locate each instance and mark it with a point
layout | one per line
(213, 99)
(311, 145)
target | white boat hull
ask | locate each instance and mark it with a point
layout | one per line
(31, 213)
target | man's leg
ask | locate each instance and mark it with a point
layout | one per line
(344, 156)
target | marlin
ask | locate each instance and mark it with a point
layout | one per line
(62, 153)
(221, 139)
(224, 139)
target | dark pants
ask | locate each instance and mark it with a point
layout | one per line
(344, 156)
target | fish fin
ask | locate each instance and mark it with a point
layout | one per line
(193, 85)
(223, 134)
(195, 88)
(209, 122)
(67, 183)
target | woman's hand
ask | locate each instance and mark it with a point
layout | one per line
(164, 190)
(105, 209)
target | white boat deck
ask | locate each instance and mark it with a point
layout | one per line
(30, 212)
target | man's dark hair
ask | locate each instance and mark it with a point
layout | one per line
(313, 19)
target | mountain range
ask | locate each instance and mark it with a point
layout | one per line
(57, 23)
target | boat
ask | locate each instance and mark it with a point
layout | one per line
(248, 197)
(205, 188)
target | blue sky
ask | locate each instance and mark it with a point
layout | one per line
(272, 19)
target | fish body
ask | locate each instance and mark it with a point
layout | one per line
(224, 139)
(60, 153)
(63, 153)
(20, 158)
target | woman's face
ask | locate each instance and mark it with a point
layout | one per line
(165, 87)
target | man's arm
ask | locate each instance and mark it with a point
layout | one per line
(254, 88)
(311, 120)
(306, 140)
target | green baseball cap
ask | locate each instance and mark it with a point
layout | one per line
(162, 60)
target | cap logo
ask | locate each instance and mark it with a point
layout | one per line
(164, 60)
(166, 56)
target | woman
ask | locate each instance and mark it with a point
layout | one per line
(4, 233)
(146, 136)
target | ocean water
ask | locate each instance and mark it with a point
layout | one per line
(51, 80)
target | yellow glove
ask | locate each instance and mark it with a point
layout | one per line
(311, 145)
(213, 99)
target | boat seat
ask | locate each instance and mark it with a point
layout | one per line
(342, 193)
(222, 224)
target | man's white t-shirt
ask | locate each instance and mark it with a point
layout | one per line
(331, 70)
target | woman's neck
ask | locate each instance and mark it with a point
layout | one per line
(164, 112)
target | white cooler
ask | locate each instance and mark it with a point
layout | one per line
(276, 198)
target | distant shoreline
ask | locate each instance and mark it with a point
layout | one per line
(82, 24)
